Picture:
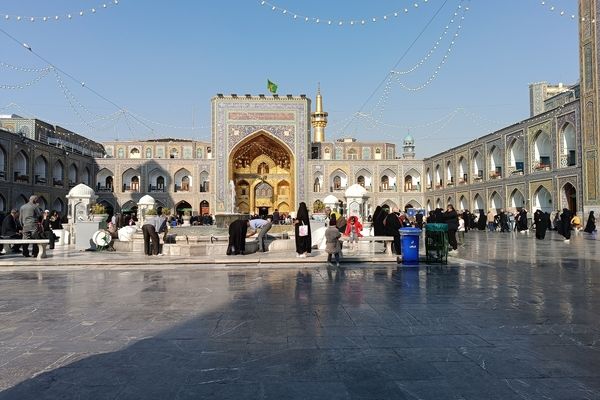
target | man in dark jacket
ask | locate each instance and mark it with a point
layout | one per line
(30, 214)
(11, 229)
(450, 217)
(392, 228)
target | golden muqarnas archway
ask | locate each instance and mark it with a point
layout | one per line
(262, 168)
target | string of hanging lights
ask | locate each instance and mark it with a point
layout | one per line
(66, 16)
(23, 69)
(27, 84)
(341, 22)
(560, 12)
(396, 75)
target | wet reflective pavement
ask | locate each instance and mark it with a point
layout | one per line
(510, 318)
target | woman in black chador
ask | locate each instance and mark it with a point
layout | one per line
(481, 222)
(564, 226)
(590, 226)
(541, 224)
(303, 243)
(378, 218)
(237, 237)
(521, 220)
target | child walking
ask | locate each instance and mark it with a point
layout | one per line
(332, 242)
(353, 228)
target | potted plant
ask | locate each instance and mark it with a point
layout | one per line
(187, 215)
(98, 212)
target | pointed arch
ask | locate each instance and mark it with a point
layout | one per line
(58, 205)
(517, 200)
(338, 180)
(131, 180)
(463, 203)
(58, 173)
(2, 203)
(516, 155)
(542, 200)
(463, 170)
(542, 150)
(387, 180)
(183, 180)
(568, 145)
(104, 180)
(204, 182)
(478, 203)
(85, 176)
(495, 163)
(364, 177)
(72, 173)
(40, 170)
(568, 195)
(412, 180)
(21, 167)
(477, 162)
(496, 201)
(3, 163)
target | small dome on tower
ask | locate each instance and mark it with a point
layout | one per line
(409, 139)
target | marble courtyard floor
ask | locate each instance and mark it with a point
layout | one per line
(509, 318)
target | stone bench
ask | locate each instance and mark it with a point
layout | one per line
(387, 241)
(42, 244)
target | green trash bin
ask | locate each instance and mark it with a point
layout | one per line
(436, 243)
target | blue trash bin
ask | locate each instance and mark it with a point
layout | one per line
(410, 245)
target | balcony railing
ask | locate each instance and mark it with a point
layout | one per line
(336, 188)
(104, 188)
(2, 175)
(39, 179)
(21, 178)
(180, 188)
(72, 183)
(495, 175)
(542, 167)
(156, 189)
(131, 188)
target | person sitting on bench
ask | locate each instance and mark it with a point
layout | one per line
(11, 230)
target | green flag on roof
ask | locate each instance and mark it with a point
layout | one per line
(271, 86)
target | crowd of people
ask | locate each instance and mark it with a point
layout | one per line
(29, 222)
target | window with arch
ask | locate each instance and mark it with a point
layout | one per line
(199, 152)
(148, 152)
(263, 168)
(2, 163)
(339, 153)
(542, 151)
(173, 153)
(516, 156)
(568, 143)
(352, 154)
(134, 153)
(337, 182)
(361, 180)
(366, 153)
(120, 152)
(385, 182)
(185, 184)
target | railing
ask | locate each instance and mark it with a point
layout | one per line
(179, 188)
(156, 189)
(71, 184)
(57, 182)
(2, 175)
(131, 188)
(542, 167)
(21, 178)
(39, 179)
(495, 175)
(104, 188)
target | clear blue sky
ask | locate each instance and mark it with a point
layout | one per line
(164, 60)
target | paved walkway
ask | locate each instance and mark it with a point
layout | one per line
(510, 318)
